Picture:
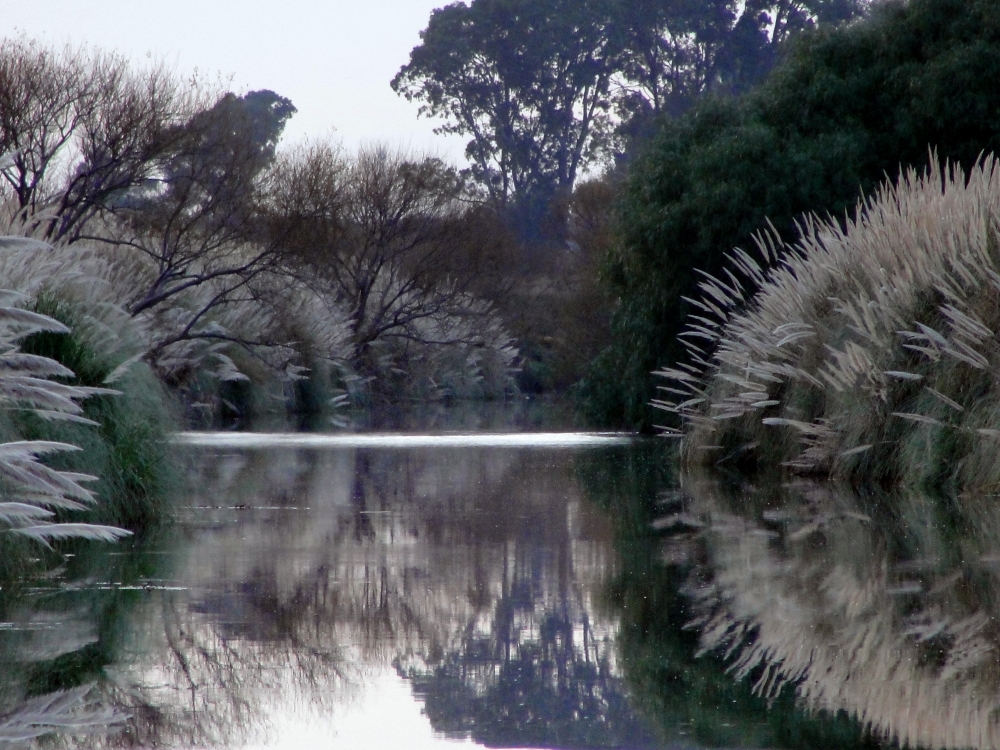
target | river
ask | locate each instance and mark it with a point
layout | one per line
(454, 580)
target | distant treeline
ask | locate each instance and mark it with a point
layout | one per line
(313, 273)
(552, 94)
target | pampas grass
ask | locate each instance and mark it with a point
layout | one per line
(32, 490)
(65, 711)
(869, 350)
(122, 416)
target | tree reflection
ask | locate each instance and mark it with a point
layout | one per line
(551, 685)
(475, 572)
(489, 581)
(534, 661)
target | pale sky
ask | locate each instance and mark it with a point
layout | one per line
(334, 58)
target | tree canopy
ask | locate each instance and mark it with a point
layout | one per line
(543, 88)
(674, 51)
(529, 82)
(848, 107)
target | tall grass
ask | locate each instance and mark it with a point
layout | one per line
(33, 492)
(85, 417)
(100, 347)
(869, 350)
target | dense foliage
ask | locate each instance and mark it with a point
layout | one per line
(867, 353)
(546, 90)
(846, 108)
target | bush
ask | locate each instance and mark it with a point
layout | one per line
(868, 352)
(845, 108)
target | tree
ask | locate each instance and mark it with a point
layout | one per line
(193, 227)
(669, 57)
(83, 128)
(535, 83)
(676, 51)
(216, 156)
(846, 108)
(528, 81)
(385, 236)
(159, 175)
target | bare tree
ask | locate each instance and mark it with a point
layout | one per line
(161, 173)
(195, 232)
(387, 235)
(211, 243)
(42, 97)
(122, 143)
(83, 127)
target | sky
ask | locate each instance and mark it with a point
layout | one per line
(334, 58)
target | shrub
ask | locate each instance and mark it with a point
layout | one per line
(125, 449)
(99, 346)
(843, 110)
(869, 351)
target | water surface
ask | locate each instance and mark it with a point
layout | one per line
(508, 585)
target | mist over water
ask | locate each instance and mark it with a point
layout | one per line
(390, 440)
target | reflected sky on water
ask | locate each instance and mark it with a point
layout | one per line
(465, 572)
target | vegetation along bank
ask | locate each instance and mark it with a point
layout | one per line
(869, 351)
(845, 107)
(196, 269)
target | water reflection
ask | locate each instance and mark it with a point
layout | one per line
(298, 577)
(517, 596)
(883, 608)
(462, 568)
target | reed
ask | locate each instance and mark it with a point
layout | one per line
(869, 348)
(32, 491)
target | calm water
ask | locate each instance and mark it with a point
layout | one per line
(429, 589)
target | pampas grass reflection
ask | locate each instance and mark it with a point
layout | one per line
(807, 588)
(64, 711)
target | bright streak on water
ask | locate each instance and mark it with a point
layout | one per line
(395, 440)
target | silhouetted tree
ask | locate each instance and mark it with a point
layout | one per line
(675, 51)
(529, 82)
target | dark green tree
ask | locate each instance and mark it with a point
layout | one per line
(848, 107)
(218, 154)
(529, 82)
(675, 51)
